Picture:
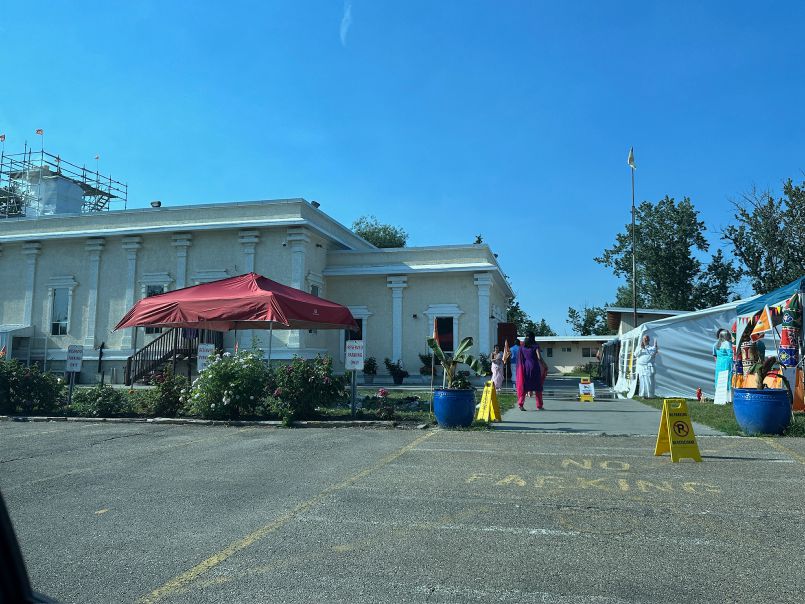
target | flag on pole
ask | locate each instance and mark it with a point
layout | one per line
(3, 352)
(507, 353)
(630, 160)
(40, 132)
(97, 157)
(2, 138)
(435, 332)
(764, 323)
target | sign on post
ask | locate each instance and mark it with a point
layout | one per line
(586, 390)
(75, 355)
(722, 388)
(354, 355)
(203, 355)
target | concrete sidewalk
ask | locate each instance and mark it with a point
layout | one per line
(606, 415)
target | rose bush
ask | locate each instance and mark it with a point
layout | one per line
(28, 390)
(305, 384)
(230, 387)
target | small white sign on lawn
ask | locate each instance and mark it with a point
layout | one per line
(354, 355)
(75, 355)
(204, 352)
(722, 388)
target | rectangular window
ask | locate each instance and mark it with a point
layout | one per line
(60, 312)
(153, 290)
(549, 352)
(356, 334)
(588, 353)
(444, 330)
(565, 348)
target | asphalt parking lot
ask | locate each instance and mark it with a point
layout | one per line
(141, 513)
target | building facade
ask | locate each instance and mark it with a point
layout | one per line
(564, 353)
(68, 279)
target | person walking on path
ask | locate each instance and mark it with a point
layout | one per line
(497, 367)
(529, 372)
(515, 349)
(645, 365)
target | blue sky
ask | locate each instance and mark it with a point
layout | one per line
(448, 118)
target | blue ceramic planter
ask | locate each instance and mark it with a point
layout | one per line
(766, 411)
(454, 408)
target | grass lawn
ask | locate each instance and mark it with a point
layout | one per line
(722, 418)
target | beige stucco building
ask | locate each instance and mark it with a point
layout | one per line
(564, 353)
(69, 278)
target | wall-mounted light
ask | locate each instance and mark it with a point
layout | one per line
(413, 316)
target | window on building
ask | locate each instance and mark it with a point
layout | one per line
(153, 290)
(566, 349)
(549, 351)
(356, 334)
(588, 353)
(60, 312)
(314, 289)
(444, 330)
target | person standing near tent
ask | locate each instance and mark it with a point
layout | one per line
(645, 365)
(530, 372)
(722, 354)
(496, 359)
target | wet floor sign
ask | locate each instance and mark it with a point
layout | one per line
(586, 390)
(489, 410)
(676, 432)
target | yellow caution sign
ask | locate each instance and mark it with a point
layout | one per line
(586, 390)
(676, 432)
(489, 411)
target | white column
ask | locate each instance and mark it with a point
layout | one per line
(93, 247)
(181, 241)
(483, 281)
(131, 245)
(248, 243)
(31, 250)
(396, 284)
(298, 240)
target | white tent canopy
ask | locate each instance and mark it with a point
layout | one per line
(685, 359)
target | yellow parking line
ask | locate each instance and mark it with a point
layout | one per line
(773, 442)
(199, 569)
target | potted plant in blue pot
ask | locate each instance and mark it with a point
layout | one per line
(764, 410)
(454, 405)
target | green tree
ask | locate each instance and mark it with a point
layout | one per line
(667, 235)
(378, 234)
(589, 321)
(769, 237)
(515, 314)
(716, 282)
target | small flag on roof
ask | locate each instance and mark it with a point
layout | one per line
(630, 160)
(40, 132)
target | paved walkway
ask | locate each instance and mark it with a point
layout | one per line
(607, 415)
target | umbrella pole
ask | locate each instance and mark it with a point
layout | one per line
(270, 341)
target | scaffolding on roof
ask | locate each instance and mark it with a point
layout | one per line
(22, 176)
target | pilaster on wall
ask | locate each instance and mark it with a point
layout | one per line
(298, 240)
(483, 281)
(31, 251)
(248, 245)
(396, 284)
(181, 241)
(131, 245)
(94, 248)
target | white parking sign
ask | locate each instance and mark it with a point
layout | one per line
(75, 355)
(354, 355)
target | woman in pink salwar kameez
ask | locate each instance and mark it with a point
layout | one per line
(530, 374)
(497, 367)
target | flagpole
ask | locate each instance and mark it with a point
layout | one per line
(634, 263)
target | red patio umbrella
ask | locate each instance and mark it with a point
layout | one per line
(248, 301)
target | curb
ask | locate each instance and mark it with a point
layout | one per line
(176, 421)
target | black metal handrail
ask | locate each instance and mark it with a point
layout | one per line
(174, 345)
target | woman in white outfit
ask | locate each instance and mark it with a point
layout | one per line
(645, 365)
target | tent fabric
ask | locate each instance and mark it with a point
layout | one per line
(685, 359)
(781, 294)
(248, 301)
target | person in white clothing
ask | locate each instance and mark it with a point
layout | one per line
(645, 365)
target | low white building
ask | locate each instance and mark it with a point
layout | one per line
(564, 353)
(69, 278)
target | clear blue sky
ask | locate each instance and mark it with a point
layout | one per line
(449, 118)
